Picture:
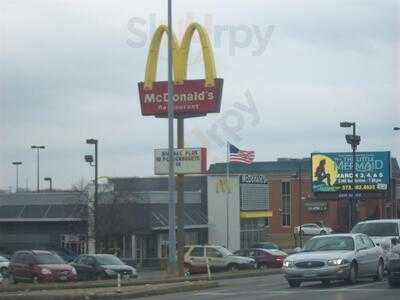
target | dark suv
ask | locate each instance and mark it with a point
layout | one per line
(40, 266)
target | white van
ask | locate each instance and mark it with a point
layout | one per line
(380, 231)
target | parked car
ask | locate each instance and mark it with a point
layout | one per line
(266, 245)
(102, 266)
(393, 266)
(4, 264)
(39, 266)
(218, 258)
(335, 257)
(312, 229)
(380, 231)
(265, 258)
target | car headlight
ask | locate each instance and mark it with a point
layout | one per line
(336, 262)
(288, 264)
(45, 271)
(109, 272)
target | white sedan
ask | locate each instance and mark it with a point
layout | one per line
(312, 229)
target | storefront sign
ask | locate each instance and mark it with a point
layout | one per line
(187, 161)
(253, 179)
(316, 205)
(333, 172)
(191, 98)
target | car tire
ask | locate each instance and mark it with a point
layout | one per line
(4, 272)
(353, 274)
(326, 282)
(294, 283)
(379, 271)
(323, 232)
(393, 282)
(233, 267)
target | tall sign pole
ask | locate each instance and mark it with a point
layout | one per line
(171, 179)
(180, 205)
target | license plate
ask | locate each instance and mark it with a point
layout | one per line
(310, 274)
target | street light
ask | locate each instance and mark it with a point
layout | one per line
(354, 141)
(298, 176)
(89, 159)
(16, 164)
(51, 182)
(37, 149)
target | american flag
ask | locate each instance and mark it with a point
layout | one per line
(242, 156)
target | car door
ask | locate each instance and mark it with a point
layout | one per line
(215, 258)
(16, 263)
(361, 256)
(80, 268)
(29, 266)
(197, 259)
(373, 255)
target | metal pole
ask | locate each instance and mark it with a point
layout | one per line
(180, 205)
(51, 184)
(300, 205)
(227, 195)
(37, 159)
(16, 188)
(95, 195)
(171, 178)
(353, 203)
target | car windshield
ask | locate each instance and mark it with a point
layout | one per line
(49, 259)
(109, 260)
(329, 244)
(224, 251)
(377, 229)
(267, 246)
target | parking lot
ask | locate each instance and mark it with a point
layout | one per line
(276, 287)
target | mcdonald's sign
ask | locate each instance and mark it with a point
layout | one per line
(191, 97)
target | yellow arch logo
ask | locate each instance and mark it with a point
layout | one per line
(180, 54)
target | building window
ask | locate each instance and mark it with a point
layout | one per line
(285, 203)
(252, 231)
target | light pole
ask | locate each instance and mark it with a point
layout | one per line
(16, 164)
(354, 141)
(298, 176)
(89, 159)
(37, 149)
(50, 181)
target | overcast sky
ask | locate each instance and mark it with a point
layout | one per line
(69, 71)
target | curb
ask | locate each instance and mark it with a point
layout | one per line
(135, 282)
(148, 291)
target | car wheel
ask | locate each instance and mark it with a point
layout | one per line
(323, 232)
(326, 282)
(393, 282)
(233, 267)
(352, 277)
(379, 271)
(294, 283)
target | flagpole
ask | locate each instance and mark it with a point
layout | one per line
(227, 194)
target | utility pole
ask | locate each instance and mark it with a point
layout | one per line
(180, 205)
(37, 158)
(16, 164)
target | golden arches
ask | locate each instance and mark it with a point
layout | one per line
(180, 55)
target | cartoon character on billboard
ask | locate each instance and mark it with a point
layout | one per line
(324, 173)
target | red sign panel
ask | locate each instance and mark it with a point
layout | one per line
(192, 98)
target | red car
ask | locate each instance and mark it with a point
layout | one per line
(265, 258)
(39, 266)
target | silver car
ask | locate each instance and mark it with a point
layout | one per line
(335, 257)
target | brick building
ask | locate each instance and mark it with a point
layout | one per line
(282, 211)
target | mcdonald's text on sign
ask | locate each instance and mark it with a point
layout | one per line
(187, 161)
(192, 98)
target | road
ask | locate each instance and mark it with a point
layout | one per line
(276, 287)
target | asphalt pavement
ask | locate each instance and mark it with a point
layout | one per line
(276, 287)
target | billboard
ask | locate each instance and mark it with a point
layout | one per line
(191, 97)
(333, 172)
(187, 161)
